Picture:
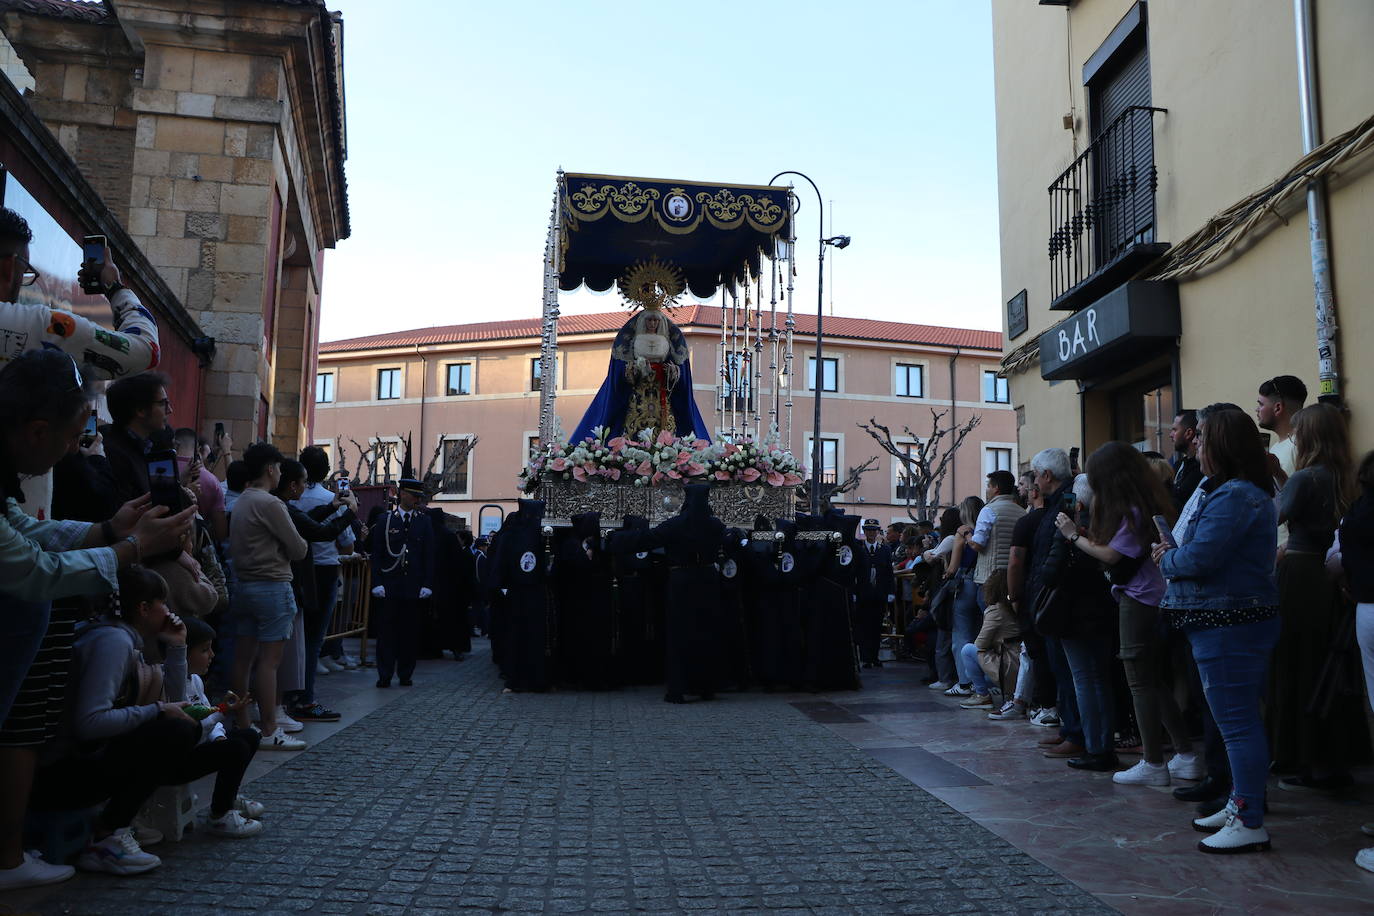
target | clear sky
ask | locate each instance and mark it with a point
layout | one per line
(461, 111)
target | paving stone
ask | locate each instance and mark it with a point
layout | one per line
(580, 802)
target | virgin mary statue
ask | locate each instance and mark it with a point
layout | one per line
(649, 382)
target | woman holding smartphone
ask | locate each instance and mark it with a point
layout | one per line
(1223, 595)
(1127, 496)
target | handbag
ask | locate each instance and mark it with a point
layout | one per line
(1052, 612)
(942, 604)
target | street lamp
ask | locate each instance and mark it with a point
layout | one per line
(838, 241)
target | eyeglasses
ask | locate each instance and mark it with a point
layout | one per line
(28, 275)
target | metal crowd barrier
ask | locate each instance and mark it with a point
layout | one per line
(354, 604)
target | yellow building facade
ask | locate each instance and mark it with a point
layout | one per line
(1145, 121)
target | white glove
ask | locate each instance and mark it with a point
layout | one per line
(891, 598)
(379, 591)
(425, 593)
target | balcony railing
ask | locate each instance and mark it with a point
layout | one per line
(1102, 210)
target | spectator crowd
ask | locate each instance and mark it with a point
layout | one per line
(167, 606)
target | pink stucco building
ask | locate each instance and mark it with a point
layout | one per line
(446, 384)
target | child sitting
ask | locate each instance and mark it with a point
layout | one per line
(222, 750)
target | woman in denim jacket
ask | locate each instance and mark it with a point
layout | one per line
(1223, 595)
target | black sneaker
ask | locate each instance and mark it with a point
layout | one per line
(1327, 784)
(315, 712)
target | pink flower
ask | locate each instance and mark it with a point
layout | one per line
(749, 475)
(658, 476)
(722, 475)
(675, 475)
(579, 473)
(617, 443)
(613, 473)
(645, 468)
(693, 469)
(774, 479)
(666, 437)
(791, 480)
(558, 464)
(731, 448)
(683, 458)
(700, 445)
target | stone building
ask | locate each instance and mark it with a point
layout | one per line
(1180, 268)
(215, 132)
(442, 385)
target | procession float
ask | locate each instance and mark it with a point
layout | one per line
(643, 437)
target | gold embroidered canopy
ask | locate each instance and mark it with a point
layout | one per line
(712, 233)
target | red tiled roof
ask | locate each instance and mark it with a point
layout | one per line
(700, 316)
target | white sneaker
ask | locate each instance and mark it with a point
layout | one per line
(1232, 836)
(320, 669)
(249, 808)
(1047, 718)
(288, 724)
(1008, 712)
(1364, 858)
(281, 741)
(33, 872)
(1186, 766)
(146, 836)
(233, 824)
(939, 685)
(959, 690)
(331, 664)
(1143, 774)
(118, 854)
(350, 662)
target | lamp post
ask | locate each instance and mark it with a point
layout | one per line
(818, 383)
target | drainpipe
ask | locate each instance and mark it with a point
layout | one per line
(424, 378)
(953, 412)
(1328, 363)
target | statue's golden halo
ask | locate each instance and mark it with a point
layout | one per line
(651, 284)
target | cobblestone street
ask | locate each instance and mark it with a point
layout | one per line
(454, 796)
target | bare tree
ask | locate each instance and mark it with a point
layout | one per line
(925, 459)
(442, 471)
(849, 483)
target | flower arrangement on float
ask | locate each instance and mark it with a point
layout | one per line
(653, 457)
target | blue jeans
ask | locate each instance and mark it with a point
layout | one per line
(968, 620)
(1090, 666)
(975, 670)
(1066, 700)
(22, 627)
(1234, 665)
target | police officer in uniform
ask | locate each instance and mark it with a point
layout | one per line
(401, 547)
(874, 591)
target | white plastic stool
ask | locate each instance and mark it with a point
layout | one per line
(170, 811)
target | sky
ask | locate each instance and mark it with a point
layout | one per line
(460, 112)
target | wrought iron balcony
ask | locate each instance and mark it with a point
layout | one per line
(1102, 212)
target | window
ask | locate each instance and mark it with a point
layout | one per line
(995, 389)
(906, 490)
(909, 381)
(996, 458)
(532, 444)
(459, 379)
(388, 384)
(830, 373)
(455, 469)
(324, 388)
(384, 460)
(536, 373)
(830, 455)
(737, 393)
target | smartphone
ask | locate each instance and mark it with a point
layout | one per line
(93, 257)
(1166, 534)
(343, 484)
(163, 482)
(1069, 506)
(219, 432)
(90, 431)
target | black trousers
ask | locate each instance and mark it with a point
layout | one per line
(868, 624)
(398, 636)
(228, 759)
(127, 769)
